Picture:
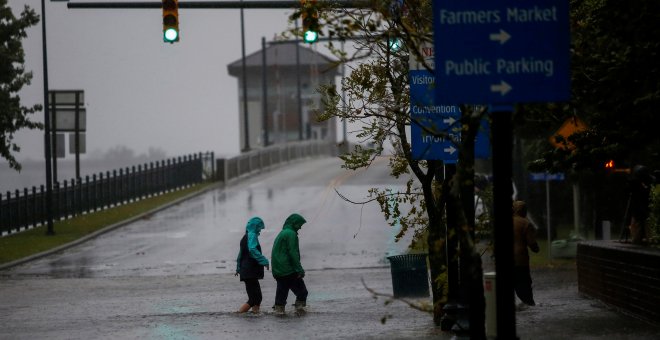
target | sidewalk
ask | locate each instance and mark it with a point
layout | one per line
(562, 313)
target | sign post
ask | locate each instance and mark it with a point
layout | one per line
(510, 51)
(68, 115)
(501, 53)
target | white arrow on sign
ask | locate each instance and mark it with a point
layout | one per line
(503, 88)
(451, 149)
(502, 36)
(449, 121)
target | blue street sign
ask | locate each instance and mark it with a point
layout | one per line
(506, 51)
(543, 176)
(435, 130)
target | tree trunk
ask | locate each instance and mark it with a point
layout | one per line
(437, 246)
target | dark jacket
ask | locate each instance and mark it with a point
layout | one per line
(250, 261)
(524, 235)
(286, 252)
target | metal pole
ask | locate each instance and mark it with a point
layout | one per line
(53, 136)
(49, 180)
(576, 208)
(77, 135)
(343, 100)
(502, 190)
(245, 100)
(266, 4)
(547, 208)
(264, 87)
(300, 117)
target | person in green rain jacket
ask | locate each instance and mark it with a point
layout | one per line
(250, 264)
(287, 270)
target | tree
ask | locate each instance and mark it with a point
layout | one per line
(615, 91)
(377, 94)
(615, 87)
(13, 115)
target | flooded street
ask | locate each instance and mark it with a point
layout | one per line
(201, 235)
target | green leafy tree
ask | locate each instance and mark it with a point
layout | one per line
(615, 88)
(377, 95)
(13, 115)
(615, 91)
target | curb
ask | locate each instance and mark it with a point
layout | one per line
(107, 229)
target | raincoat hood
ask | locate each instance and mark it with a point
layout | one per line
(255, 225)
(519, 208)
(294, 221)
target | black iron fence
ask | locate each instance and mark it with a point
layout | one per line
(26, 209)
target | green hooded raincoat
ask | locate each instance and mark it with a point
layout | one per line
(285, 257)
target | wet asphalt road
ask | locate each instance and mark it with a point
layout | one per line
(170, 275)
(201, 235)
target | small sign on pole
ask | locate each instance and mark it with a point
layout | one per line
(82, 148)
(60, 148)
(65, 119)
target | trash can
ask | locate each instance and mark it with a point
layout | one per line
(410, 276)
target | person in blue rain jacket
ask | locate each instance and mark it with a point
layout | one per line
(250, 264)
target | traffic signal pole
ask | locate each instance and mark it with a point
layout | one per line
(258, 4)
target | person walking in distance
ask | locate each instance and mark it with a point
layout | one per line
(287, 270)
(641, 183)
(524, 236)
(250, 264)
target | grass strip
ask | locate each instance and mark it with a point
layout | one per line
(35, 240)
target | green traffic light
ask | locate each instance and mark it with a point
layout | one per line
(171, 35)
(311, 36)
(394, 44)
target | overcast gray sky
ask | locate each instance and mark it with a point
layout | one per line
(139, 91)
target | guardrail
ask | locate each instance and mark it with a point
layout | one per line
(259, 160)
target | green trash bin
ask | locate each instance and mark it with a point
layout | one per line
(410, 276)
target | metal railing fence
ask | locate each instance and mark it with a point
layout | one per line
(258, 160)
(27, 209)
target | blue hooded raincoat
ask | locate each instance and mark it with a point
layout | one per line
(250, 261)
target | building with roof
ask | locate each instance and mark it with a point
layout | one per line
(289, 117)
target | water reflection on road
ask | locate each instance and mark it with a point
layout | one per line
(201, 235)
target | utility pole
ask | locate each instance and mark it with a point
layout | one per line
(47, 146)
(246, 116)
(264, 89)
(300, 117)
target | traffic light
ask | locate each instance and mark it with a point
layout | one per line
(609, 165)
(310, 21)
(394, 43)
(170, 21)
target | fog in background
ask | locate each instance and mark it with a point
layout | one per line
(140, 93)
